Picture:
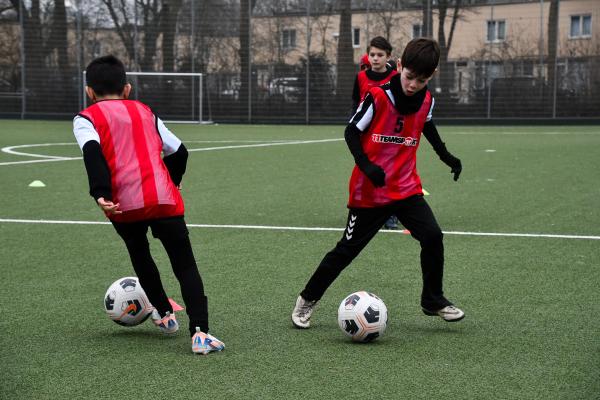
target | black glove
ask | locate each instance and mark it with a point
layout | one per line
(374, 172)
(454, 163)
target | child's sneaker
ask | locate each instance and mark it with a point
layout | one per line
(448, 313)
(391, 223)
(204, 343)
(302, 312)
(167, 324)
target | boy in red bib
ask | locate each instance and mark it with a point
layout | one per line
(383, 137)
(378, 72)
(376, 69)
(122, 141)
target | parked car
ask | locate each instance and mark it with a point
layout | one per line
(289, 88)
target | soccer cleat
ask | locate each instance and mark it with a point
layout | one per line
(302, 312)
(391, 223)
(204, 343)
(448, 313)
(167, 324)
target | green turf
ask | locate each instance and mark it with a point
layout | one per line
(531, 330)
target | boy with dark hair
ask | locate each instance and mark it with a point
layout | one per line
(122, 141)
(378, 72)
(383, 137)
(375, 69)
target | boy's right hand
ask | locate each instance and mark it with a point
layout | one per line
(454, 163)
(374, 172)
(108, 206)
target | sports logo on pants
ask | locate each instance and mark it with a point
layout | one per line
(350, 227)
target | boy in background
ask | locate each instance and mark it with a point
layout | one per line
(121, 141)
(376, 69)
(383, 137)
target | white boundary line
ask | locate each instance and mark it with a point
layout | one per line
(40, 161)
(266, 144)
(243, 141)
(9, 149)
(549, 133)
(303, 228)
(46, 158)
(261, 143)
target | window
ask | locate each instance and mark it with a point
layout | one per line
(496, 30)
(417, 31)
(356, 37)
(581, 26)
(288, 39)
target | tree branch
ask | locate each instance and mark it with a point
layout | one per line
(127, 39)
(453, 25)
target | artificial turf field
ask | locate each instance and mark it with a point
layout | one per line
(532, 328)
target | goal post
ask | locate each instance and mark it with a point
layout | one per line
(176, 97)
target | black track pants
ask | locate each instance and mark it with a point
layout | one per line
(362, 225)
(173, 234)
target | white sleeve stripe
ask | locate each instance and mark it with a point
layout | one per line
(84, 131)
(171, 142)
(364, 122)
(359, 109)
(390, 96)
(430, 114)
(364, 113)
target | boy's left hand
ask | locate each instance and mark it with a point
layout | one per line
(108, 206)
(454, 163)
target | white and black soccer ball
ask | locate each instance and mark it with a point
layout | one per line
(362, 316)
(126, 302)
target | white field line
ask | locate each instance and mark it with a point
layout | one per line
(40, 161)
(549, 133)
(260, 143)
(304, 228)
(47, 158)
(266, 144)
(10, 150)
(243, 141)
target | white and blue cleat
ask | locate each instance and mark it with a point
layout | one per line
(204, 343)
(167, 324)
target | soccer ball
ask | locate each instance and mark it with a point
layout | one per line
(126, 302)
(362, 316)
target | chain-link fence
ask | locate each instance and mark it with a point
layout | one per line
(286, 61)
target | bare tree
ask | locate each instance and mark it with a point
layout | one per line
(345, 56)
(427, 25)
(446, 78)
(169, 12)
(323, 25)
(386, 16)
(552, 48)
(121, 17)
(59, 42)
(212, 29)
(9, 50)
(157, 17)
(45, 46)
(33, 42)
(8, 11)
(268, 42)
(246, 7)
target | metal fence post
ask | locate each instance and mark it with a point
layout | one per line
(307, 85)
(200, 84)
(556, 62)
(249, 61)
(193, 61)
(23, 88)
